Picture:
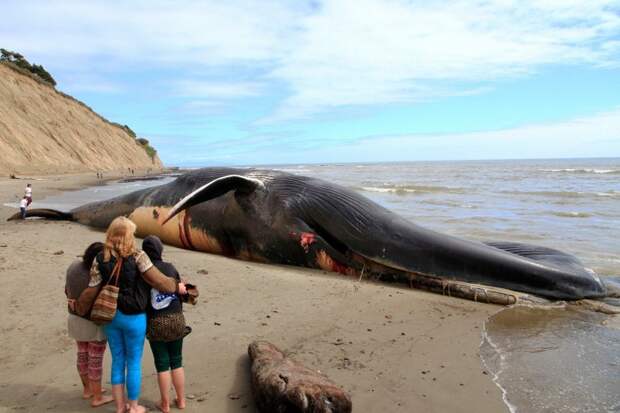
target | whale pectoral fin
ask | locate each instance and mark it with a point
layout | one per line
(550, 256)
(214, 189)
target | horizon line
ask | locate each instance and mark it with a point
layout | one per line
(391, 162)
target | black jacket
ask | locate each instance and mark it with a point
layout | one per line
(134, 292)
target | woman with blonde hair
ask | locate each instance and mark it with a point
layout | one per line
(126, 332)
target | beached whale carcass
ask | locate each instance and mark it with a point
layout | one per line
(277, 217)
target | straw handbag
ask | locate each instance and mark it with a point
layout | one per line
(104, 307)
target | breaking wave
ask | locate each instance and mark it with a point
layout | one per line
(583, 171)
(409, 189)
(571, 214)
(565, 194)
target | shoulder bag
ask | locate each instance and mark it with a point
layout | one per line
(104, 307)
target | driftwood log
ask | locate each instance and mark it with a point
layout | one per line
(281, 385)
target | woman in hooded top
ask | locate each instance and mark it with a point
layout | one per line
(127, 330)
(165, 330)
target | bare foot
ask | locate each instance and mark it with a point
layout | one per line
(89, 394)
(180, 403)
(125, 409)
(137, 409)
(164, 408)
(100, 402)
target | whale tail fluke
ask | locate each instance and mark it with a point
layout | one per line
(44, 213)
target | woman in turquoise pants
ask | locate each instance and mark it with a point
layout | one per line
(127, 330)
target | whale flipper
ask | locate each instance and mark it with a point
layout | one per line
(543, 255)
(214, 189)
(535, 252)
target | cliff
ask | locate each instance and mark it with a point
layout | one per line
(45, 131)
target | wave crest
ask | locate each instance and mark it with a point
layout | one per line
(565, 194)
(571, 214)
(582, 171)
(404, 189)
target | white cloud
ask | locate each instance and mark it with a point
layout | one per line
(215, 90)
(342, 53)
(592, 136)
(84, 82)
(207, 33)
(363, 52)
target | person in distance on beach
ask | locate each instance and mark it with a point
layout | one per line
(90, 338)
(28, 193)
(126, 332)
(165, 331)
(23, 205)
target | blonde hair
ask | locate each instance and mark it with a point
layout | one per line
(119, 238)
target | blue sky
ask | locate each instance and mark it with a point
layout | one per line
(243, 82)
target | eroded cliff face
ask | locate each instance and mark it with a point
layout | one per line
(43, 131)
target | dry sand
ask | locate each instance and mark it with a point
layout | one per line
(393, 349)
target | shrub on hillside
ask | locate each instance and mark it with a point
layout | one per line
(20, 61)
(147, 147)
(150, 151)
(129, 131)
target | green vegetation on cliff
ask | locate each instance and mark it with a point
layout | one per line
(147, 147)
(20, 61)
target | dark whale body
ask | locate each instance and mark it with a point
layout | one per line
(276, 217)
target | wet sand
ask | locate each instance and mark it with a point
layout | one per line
(392, 349)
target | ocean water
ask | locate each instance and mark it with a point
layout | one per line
(544, 360)
(554, 360)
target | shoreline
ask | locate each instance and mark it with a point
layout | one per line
(392, 349)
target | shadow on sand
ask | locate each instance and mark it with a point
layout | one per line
(26, 397)
(240, 395)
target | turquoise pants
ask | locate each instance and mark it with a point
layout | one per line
(126, 335)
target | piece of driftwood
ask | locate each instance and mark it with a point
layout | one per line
(282, 385)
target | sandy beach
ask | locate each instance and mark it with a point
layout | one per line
(392, 349)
